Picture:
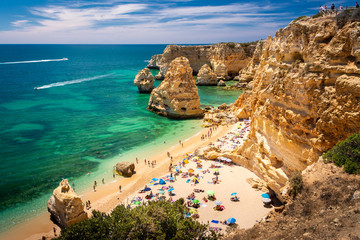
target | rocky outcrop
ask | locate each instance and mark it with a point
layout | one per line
(144, 80)
(221, 115)
(177, 96)
(206, 77)
(305, 97)
(65, 206)
(153, 63)
(221, 83)
(126, 169)
(226, 59)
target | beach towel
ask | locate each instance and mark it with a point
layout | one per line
(215, 221)
(188, 181)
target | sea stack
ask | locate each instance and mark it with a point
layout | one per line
(65, 206)
(206, 77)
(177, 96)
(144, 80)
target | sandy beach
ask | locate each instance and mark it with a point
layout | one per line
(233, 179)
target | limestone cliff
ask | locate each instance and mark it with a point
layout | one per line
(144, 80)
(226, 59)
(305, 97)
(177, 96)
(65, 206)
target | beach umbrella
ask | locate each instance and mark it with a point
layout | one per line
(155, 179)
(171, 178)
(210, 192)
(147, 189)
(196, 181)
(234, 193)
(191, 170)
(228, 160)
(196, 157)
(195, 201)
(265, 195)
(194, 211)
(137, 203)
(162, 182)
(218, 202)
(171, 189)
(216, 169)
(161, 191)
(231, 220)
(266, 200)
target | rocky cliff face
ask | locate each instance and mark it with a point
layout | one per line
(305, 97)
(177, 96)
(65, 206)
(226, 59)
(144, 80)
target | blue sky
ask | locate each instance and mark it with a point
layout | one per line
(148, 21)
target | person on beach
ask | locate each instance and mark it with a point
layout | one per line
(94, 187)
(103, 181)
(145, 161)
(113, 175)
(95, 183)
(137, 161)
(120, 188)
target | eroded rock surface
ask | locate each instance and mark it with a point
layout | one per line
(206, 77)
(144, 80)
(65, 206)
(177, 96)
(227, 59)
(304, 98)
(126, 169)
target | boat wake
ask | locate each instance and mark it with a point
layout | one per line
(59, 84)
(37, 61)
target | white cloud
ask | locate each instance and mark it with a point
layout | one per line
(113, 22)
(19, 23)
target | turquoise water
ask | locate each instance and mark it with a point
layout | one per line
(85, 112)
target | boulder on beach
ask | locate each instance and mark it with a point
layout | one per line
(126, 169)
(65, 206)
(221, 83)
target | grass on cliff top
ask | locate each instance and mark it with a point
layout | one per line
(157, 220)
(346, 153)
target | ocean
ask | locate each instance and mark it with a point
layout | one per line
(85, 116)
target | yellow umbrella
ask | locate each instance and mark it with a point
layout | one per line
(191, 170)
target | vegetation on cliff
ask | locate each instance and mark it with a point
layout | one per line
(157, 220)
(346, 153)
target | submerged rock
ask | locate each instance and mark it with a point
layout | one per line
(126, 169)
(177, 96)
(221, 83)
(206, 77)
(65, 206)
(144, 80)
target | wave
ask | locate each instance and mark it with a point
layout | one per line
(59, 84)
(37, 61)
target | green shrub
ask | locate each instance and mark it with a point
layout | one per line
(296, 184)
(157, 220)
(346, 153)
(319, 14)
(297, 19)
(348, 15)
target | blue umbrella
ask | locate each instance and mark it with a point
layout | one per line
(231, 220)
(171, 189)
(147, 189)
(265, 195)
(155, 179)
(171, 178)
(234, 193)
(162, 182)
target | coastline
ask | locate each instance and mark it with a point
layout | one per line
(107, 196)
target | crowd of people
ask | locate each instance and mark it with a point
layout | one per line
(333, 10)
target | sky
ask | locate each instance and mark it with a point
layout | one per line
(148, 21)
